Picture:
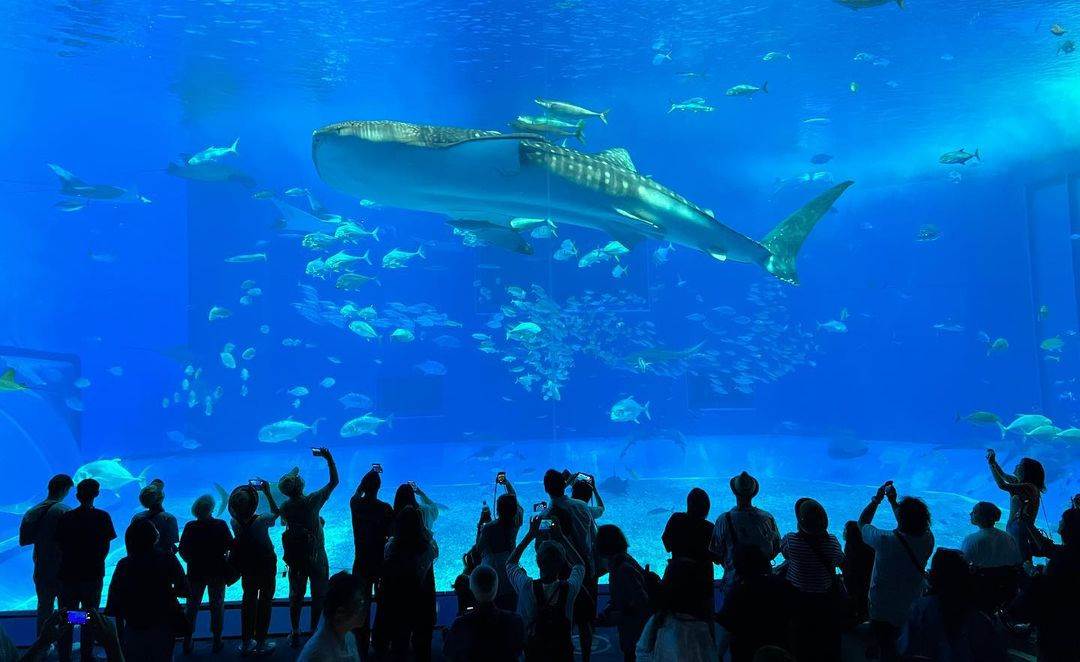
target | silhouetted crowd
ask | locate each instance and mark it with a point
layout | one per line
(884, 581)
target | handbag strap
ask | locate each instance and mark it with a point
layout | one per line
(910, 553)
(831, 567)
(731, 529)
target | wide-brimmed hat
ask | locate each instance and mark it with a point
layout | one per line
(744, 485)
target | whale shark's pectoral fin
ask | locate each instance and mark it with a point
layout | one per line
(499, 153)
(501, 136)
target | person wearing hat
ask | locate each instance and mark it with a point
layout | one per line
(253, 556)
(743, 525)
(813, 555)
(303, 544)
(152, 497)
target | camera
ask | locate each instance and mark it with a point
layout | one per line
(539, 506)
(257, 484)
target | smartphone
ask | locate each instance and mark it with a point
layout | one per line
(77, 617)
(539, 506)
(412, 484)
(585, 478)
(256, 483)
(376, 467)
(315, 451)
(546, 524)
(500, 478)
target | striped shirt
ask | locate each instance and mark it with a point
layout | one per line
(805, 569)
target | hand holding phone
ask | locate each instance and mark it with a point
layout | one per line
(257, 483)
(376, 467)
(539, 506)
(585, 477)
(77, 617)
(500, 478)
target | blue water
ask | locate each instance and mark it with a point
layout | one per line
(119, 294)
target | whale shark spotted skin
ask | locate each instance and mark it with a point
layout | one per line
(491, 177)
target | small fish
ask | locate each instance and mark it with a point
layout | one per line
(367, 424)
(959, 157)
(928, 232)
(402, 335)
(246, 257)
(694, 105)
(997, 346)
(1044, 312)
(569, 110)
(70, 205)
(663, 253)
(745, 90)
(854, 87)
(775, 55)
(821, 158)
(431, 367)
(1057, 30)
(832, 326)
(1052, 344)
(356, 401)
(629, 410)
(218, 313)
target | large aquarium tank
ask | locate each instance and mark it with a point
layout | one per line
(831, 243)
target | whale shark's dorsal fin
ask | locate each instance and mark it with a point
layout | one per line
(619, 157)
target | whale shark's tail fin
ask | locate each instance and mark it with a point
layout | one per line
(785, 240)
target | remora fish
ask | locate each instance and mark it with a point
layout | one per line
(470, 174)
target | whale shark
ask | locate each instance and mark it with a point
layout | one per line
(488, 178)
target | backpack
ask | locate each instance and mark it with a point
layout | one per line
(654, 588)
(31, 522)
(549, 637)
(298, 546)
(245, 554)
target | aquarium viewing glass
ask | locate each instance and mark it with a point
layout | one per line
(656, 242)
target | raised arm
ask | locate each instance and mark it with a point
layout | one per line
(870, 510)
(515, 556)
(269, 498)
(332, 466)
(596, 494)
(1003, 480)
